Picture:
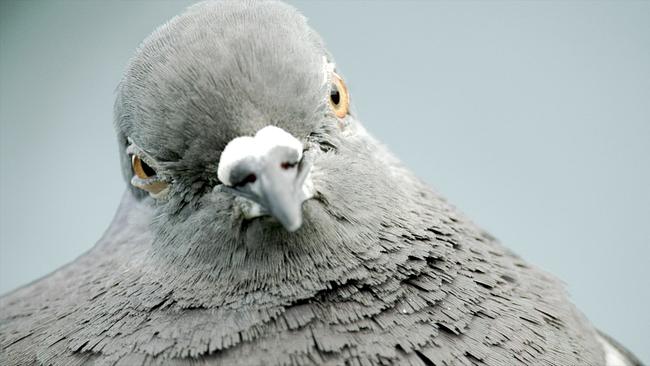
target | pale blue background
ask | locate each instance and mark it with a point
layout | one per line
(532, 117)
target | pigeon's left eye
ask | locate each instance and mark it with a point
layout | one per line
(141, 169)
(339, 97)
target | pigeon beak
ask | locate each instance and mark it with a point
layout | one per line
(278, 196)
(270, 169)
(280, 190)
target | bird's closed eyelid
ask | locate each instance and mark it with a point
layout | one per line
(156, 185)
(135, 150)
(147, 174)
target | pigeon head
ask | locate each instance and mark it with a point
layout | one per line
(235, 126)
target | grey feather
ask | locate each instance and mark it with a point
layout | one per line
(383, 270)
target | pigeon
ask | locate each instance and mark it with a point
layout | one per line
(263, 225)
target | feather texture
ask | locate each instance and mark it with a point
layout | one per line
(383, 271)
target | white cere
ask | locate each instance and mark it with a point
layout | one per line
(244, 147)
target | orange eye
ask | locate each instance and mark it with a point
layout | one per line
(339, 97)
(141, 169)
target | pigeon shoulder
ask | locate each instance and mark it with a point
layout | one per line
(36, 318)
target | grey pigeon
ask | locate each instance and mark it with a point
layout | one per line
(264, 226)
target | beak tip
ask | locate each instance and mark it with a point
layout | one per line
(293, 226)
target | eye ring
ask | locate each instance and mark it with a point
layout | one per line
(339, 97)
(141, 169)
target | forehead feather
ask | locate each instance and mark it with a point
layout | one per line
(221, 70)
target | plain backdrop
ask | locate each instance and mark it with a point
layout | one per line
(532, 117)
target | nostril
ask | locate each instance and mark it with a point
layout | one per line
(287, 165)
(251, 178)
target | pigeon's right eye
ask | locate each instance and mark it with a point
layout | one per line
(141, 169)
(145, 177)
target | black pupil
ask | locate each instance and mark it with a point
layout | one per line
(147, 169)
(334, 95)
